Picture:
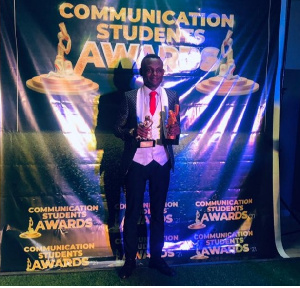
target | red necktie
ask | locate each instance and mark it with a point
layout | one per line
(152, 102)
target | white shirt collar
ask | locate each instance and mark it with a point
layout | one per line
(146, 92)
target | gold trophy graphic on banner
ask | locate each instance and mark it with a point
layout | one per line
(62, 81)
(226, 83)
(29, 265)
(199, 255)
(30, 233)
(198, 223)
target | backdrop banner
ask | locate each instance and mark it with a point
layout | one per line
(65, 66)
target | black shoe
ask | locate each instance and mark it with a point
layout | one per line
(127, 268)
(161, 266)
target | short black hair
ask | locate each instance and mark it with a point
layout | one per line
(147, 57)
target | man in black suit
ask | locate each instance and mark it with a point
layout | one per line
(152, 164)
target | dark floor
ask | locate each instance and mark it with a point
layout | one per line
(276, 272)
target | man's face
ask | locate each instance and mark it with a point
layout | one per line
(152, 73)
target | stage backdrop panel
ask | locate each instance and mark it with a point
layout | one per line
(64, 68)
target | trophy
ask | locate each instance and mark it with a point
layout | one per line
(148, 141)
(30, 233)
(170, 138)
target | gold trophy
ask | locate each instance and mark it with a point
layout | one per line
(172, 139)
(148, 141)
(30, 233)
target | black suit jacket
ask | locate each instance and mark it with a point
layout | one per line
(127, 119)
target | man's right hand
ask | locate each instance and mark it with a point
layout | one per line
(143, 131)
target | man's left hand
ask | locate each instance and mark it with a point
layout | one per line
(174, 129)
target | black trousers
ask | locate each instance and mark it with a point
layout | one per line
(135, 184)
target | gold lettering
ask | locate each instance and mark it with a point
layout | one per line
(90, 47)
